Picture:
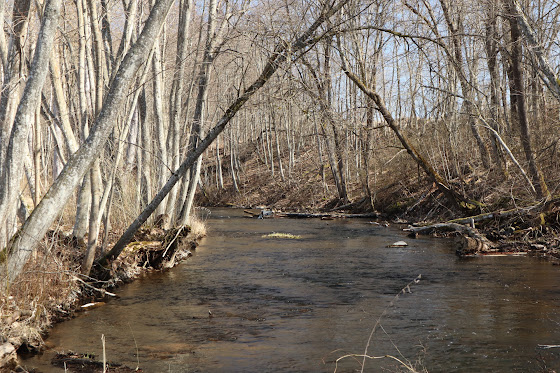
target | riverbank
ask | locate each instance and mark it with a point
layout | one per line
(496, 225)
(53, 290)
(299, 303)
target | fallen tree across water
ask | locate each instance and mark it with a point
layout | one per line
(308, 215)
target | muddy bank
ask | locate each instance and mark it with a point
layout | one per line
(493, 223)
(520, 231)
(51, 289)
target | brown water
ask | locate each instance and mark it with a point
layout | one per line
(287, 305)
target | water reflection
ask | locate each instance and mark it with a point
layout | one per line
(298, 305)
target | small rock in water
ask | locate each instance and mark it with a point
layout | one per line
(266, 214)
(399, 244)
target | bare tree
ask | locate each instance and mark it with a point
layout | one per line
(518, 88)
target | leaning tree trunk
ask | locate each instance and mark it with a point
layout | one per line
(279, 56)
(453, 197)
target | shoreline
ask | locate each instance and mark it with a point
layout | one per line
(152, 246)
(152, 250)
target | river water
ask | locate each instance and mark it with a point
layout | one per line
(298, 305)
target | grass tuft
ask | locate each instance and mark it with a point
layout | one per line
(282, 235)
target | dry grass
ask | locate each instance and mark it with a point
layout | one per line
(45, 292)
(197, 225)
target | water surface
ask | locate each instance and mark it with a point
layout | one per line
(296, 305)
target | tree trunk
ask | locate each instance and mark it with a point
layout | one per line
(466, 87)
(548, 75)
(177, 99)
(521, 110)
(12, 169)
(491, 36)
(455, 199)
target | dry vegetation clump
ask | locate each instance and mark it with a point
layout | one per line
(46, 293)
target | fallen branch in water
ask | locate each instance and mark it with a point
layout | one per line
(309, 215)
(303, 215)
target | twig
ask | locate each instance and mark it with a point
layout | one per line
(377, 322)
(173, 240)
(407, 366)
(135, 344)
(104, 355)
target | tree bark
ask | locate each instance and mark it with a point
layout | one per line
(518, 88)
(12, 169)
(548, 75)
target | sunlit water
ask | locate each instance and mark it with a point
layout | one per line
(297, 305)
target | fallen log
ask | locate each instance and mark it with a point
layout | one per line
(471, 242)
(308, 215)
(491, 215)
(252, 213)
(304, 215)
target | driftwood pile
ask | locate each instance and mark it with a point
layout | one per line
(151, 248)
(516, 231)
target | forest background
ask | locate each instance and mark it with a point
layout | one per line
(117, 112)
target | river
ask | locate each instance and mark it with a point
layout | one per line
(299, 304)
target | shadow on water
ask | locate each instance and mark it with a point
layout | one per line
(298, 304)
